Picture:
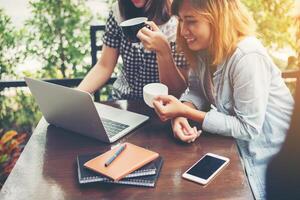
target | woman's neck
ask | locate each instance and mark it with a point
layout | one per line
(206, 58)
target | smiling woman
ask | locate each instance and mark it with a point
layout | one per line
(234, 89)
(193, 28)
(201, 28)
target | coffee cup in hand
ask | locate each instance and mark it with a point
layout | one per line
(152, 90)
(131, 27)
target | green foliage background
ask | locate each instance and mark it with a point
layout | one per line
(58, 36)
(17, 110)
(9, 51)
(274, 21)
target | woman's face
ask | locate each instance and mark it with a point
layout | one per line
(194, 28)
(139, 3)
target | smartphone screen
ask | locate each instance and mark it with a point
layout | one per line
(206, 167)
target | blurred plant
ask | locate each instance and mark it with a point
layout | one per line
(58, 35)
(10, 48)
(11, 146)
(11, 54)
(274, 21)
(18, 110)
(297, 19)
(276, 28)
(294, 61)
(110, 3)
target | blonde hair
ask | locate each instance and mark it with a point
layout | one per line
(229, 22)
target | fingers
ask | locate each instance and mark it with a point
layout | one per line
(143, 37)
(164, 106)
(159, 102)
(164, 98)
(199, 132)
(176, 128)
(161, 110)
(152, 25)
(180, 134)
(183, 131)
(148, 30)
(196, 134)
(186, 127)
(158, 107)
(151, 37)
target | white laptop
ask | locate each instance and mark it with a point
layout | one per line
(75, 110)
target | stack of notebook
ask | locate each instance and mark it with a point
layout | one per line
(90, 168)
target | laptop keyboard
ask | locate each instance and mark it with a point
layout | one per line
(112, 127)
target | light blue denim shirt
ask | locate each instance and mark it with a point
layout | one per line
(252, 104)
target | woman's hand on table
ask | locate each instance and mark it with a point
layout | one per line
(183, 131)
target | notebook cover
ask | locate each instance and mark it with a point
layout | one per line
(87, 176)
(132, 158)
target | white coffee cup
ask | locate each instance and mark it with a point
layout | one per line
(152, 90)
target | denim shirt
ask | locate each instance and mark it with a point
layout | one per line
(252, 104)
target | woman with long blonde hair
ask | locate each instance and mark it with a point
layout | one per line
(234, 89)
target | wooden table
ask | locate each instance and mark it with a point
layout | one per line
(47, 169)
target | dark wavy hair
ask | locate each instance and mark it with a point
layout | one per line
(155, 10)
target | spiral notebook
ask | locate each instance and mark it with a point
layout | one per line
(145, 181)
(87, 176)
(132, 158)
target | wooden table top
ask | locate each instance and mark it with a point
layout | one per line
(47, 167)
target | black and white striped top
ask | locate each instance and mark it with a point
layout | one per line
(139, 66)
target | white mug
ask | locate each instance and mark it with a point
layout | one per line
(152, 90)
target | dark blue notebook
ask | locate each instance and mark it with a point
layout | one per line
(145, 176)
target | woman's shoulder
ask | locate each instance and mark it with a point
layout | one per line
(251, 45)
(251, 48)
(250, 52)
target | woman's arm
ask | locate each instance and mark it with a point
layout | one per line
(250, 79)
(192, 113)
(101, 72)
(169, 107)
(169, 74)
(174, 77)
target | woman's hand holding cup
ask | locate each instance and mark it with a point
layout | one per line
(131, 27)
(168, 107)
(152, 38)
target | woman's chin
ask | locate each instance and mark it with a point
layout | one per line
(195, 47)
